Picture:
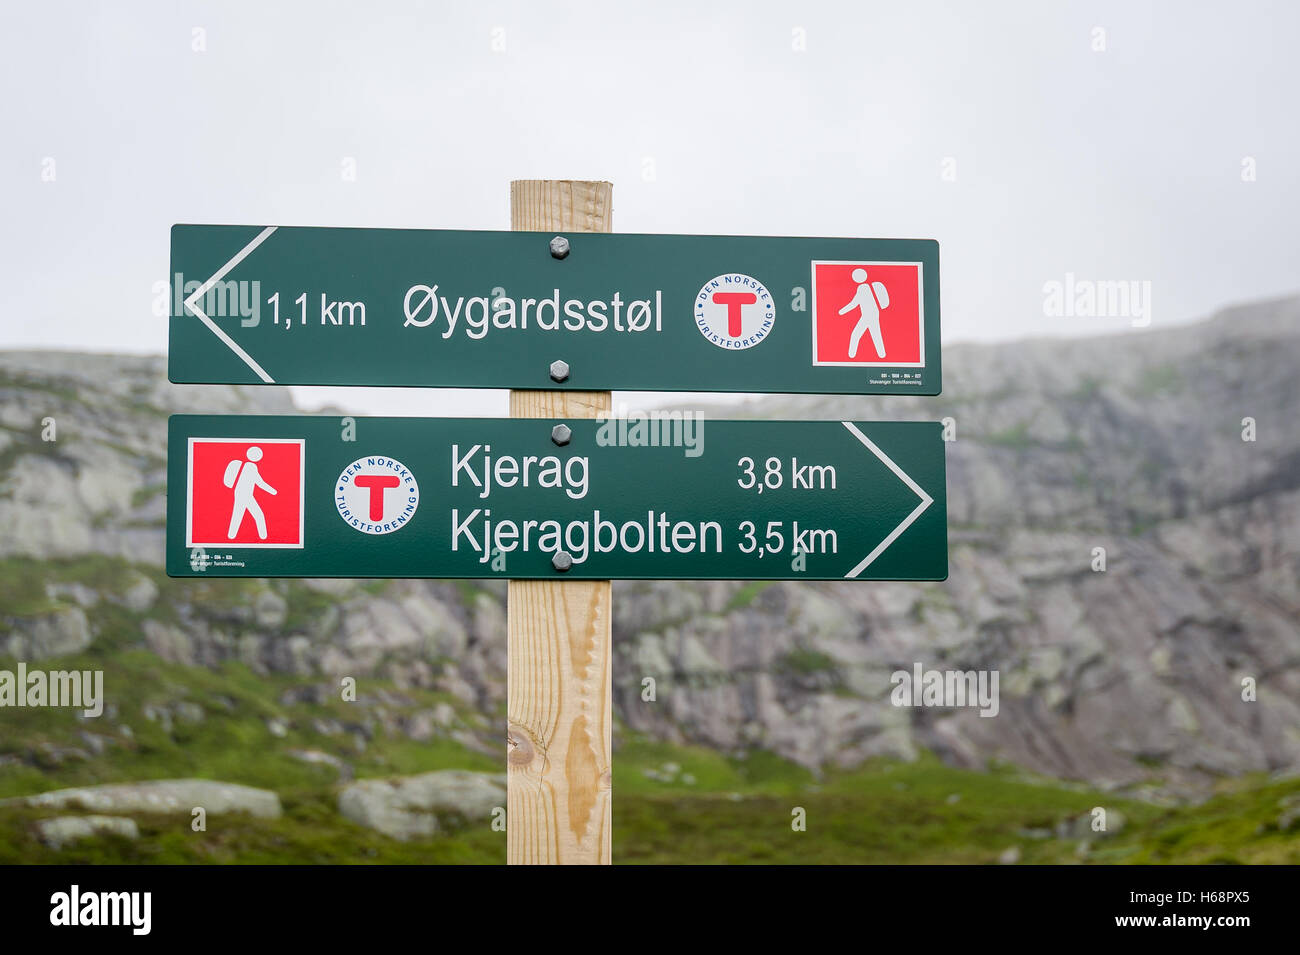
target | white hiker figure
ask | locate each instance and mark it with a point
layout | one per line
(870, 297)
(245, 479)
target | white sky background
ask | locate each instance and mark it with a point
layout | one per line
(1122, 164)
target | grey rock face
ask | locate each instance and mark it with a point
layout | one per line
(419, 806)
(1130, 443)
(98, 486)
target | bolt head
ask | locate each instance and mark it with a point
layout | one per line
(559, 371)
(561, 434)
(559, 247)
(561, 561)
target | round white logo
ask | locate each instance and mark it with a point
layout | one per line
(734, 311)
(376, 494)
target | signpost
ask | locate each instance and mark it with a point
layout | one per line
(559, 498)
(309, 306)
(662, 497)
(559, 634)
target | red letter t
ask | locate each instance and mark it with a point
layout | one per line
(734, 301)
(377, 484)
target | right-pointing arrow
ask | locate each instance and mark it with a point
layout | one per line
(926, 500)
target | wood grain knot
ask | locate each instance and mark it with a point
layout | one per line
(522, 751)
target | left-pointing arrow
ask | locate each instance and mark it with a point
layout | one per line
(192, 303)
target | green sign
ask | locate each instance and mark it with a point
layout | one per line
(662, 496)
(527, 310)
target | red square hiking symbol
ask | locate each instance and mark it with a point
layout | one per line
(868, 313)
(245, 492)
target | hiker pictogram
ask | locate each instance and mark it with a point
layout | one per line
(869, 299)
(245, 493)
(868, 314)
(243, 477)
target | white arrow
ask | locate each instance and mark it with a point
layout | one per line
(192, 303)
(926, 500)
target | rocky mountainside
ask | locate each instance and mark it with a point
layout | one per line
(1132, 443)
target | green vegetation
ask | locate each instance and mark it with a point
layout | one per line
(233, 741)
(1088, 387)
(468, 591)
(143, 495)
(1016, 437)
(27, 442)
(692, 805)
(41, 385)
(23, 581)
(655, 770)
(1159, 380)
(924, 812)
(310, 831)
(672, 803)
(747, 594)
(803, 662)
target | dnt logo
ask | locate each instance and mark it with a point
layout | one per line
(376, 494)
(734, 311)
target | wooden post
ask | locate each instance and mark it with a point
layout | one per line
(558, 695)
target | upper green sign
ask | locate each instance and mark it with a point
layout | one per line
(663, 496)
(528, 310)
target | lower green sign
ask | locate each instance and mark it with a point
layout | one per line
(666, 495)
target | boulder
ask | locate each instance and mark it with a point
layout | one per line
(63, 632)
(140, 593)
(415, 806)
(62, 830)
(159, 796)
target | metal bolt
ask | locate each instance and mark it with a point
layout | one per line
(561, 561)
(559, 371)
(559, 247)
(561, 434)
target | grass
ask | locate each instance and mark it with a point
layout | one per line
(645, 768)
(23, 581)
(1159, 380)
(234, 742)
(143, 495)
(310, 831)
(305, 606)
(1016, 437)
(673, 803)
(746, 594)
(1088, 387)
(893, 812)
(804, 662)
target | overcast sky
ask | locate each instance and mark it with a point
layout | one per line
(1027, 142)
